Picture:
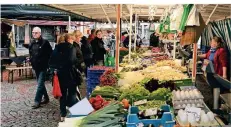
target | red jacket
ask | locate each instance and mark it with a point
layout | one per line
(220, 60)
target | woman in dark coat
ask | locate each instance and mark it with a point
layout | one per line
(87, 53)
(77, 44)
(98, 49)
(63, 60)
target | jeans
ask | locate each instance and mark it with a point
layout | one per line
(68, 98)
(41, 89)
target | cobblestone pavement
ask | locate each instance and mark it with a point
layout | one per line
(16, 101)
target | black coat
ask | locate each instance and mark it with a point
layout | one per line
(86, 50)
(98, 49)
(154, 40)
(40, 53)
(64, 60)
(79, 56)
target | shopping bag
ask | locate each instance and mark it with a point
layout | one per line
(56, 87)
(109, 61)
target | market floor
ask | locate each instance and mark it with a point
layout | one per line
(16, 101)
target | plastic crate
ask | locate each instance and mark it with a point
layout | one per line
(94, 75)
(93, 81)
(184, 82)
(166, 120)
(89, 91)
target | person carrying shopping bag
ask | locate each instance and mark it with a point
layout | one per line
(63, 59)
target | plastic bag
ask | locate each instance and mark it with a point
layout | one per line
(56, 87)
(109, 61)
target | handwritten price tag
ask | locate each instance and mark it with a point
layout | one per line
(195, 111)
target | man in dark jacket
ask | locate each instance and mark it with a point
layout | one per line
(87, 53)
(154, 40)
(40, 51)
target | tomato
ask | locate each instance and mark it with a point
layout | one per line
(92, 100)
(125, 103)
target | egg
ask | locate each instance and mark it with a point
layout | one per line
(182, 95)
(204, 118)
(187, 95)
(179, 106)
(211, 116)
(183, 118)
(191, 118)
(185, 101)
(184, 105)
(192, 96)
(180, 102)
(197, 95)
(180, 112)
(190, 101)
(188, 105)
(198, 105)
(193, 105)
(178, 96)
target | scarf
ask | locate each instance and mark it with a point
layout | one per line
(212, 54)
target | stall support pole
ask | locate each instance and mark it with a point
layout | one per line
(194, 71)
(69, 24)
(216, 96)
(17, 36)
(27, 34)
(135, 33)
(117, 38)
(174, 47)
(130, 35)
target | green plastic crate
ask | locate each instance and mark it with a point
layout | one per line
(184, 82)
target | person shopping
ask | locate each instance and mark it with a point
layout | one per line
(40, 51)
(218, 56)
(87, 53)
(63, 60)
(77, 44)
(98, 49)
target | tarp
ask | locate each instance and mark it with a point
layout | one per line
(15, 22)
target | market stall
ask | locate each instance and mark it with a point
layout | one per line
(150, 88)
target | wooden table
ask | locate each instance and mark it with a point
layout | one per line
(12, 69)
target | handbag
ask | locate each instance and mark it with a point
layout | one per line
(56, 87)
(76, 76)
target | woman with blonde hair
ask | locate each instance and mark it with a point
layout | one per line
(63, 60)
(77, 44)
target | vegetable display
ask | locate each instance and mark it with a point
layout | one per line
(98, 102)
(105, 117)
(136, 93)
(108, 92)
(160, 94)
(108, 78)
(151, 104)
(156, 49)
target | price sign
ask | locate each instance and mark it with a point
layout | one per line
(196, 112)
(140, 102)
(151, 112)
